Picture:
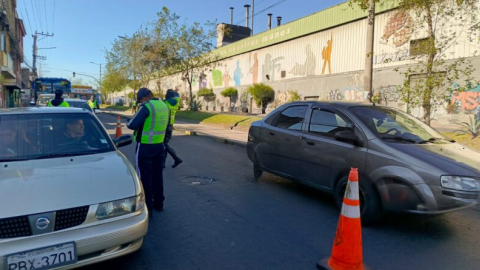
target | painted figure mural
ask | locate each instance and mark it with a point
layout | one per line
(269, 67)
(203, 81)
(226, 77)
(238, 75)
(217, 77)
(327, 56)
(254, 69)
(308, 68)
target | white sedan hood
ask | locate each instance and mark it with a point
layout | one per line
(37, 186)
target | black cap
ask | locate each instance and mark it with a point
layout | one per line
(170, 93)
(58, 92)
(143, 92)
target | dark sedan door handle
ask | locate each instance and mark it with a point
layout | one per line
(302, 138)
(271, 134)
(310, 143)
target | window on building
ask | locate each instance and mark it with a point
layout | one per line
(327, 123)
(419, 47)
(283, 74)
(312, 98)
(292, 118)
(2, 41)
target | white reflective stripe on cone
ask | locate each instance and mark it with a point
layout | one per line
(350, 211)
(352, 190)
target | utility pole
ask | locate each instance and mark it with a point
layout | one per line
(368, 79)
(35, 49)
(253, 14)
(34, 54)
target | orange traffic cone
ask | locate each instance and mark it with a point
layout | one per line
(118, 131)
(347, 248)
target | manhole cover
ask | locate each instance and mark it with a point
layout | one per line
(196, 180)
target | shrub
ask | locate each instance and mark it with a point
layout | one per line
(230, 92)
(262, 94)
(294, 96)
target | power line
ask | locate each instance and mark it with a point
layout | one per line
(46, 20)
(28, 17)
(265, 9)
(54, 4)
(38, 15)
(34, 16)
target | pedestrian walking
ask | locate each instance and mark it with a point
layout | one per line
(58, 100)
(134, 106)
(150, 124)
(173, 102)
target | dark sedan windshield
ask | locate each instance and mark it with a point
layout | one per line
(394, 125)
(36, 136)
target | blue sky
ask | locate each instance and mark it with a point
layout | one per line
(84, 28)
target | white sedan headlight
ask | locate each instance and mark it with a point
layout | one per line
(460, 183)
(121, 207)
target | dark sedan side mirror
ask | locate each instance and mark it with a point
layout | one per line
(123, 140)
(348, 136)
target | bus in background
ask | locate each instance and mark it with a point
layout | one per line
(49, 85)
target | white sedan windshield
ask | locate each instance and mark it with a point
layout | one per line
(35, 136)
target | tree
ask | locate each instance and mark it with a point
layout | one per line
(207, 95)
(262, 94)
(230, 92)
(441, 23)
(114, 79)
(189, 46)
(294, 96)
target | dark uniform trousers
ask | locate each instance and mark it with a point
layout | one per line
(147, 158)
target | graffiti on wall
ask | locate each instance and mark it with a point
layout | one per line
(466, 100)
(269, 66)
(308, 68)
(385, 58)
(327, 55)
(237, 74)
(399, 29)
(387, 94)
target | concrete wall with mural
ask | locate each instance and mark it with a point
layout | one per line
(328, 65)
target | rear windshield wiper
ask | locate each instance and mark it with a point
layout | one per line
(400, 139)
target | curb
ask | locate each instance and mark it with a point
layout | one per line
(190, 132)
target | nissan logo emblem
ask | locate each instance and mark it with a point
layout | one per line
(42, 223)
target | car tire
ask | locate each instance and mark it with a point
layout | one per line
(257, 169)
(370, 204)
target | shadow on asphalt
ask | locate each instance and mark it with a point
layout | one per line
(430, 226)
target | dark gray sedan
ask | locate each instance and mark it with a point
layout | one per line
(404, 165)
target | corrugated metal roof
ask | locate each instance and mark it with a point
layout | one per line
(325, 19)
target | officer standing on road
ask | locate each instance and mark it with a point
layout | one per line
(150, 124)
(58, 100)
(173, 102)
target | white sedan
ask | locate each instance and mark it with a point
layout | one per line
(68, 197)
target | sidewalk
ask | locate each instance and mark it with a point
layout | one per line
(227, 136)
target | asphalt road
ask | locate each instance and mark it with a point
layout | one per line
(233, 222)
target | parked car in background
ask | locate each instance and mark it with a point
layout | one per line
(79, 103)
(404, 164)
(68, 197)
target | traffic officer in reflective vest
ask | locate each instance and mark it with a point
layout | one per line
(173, 102)
(58, 100)
(150, 124)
